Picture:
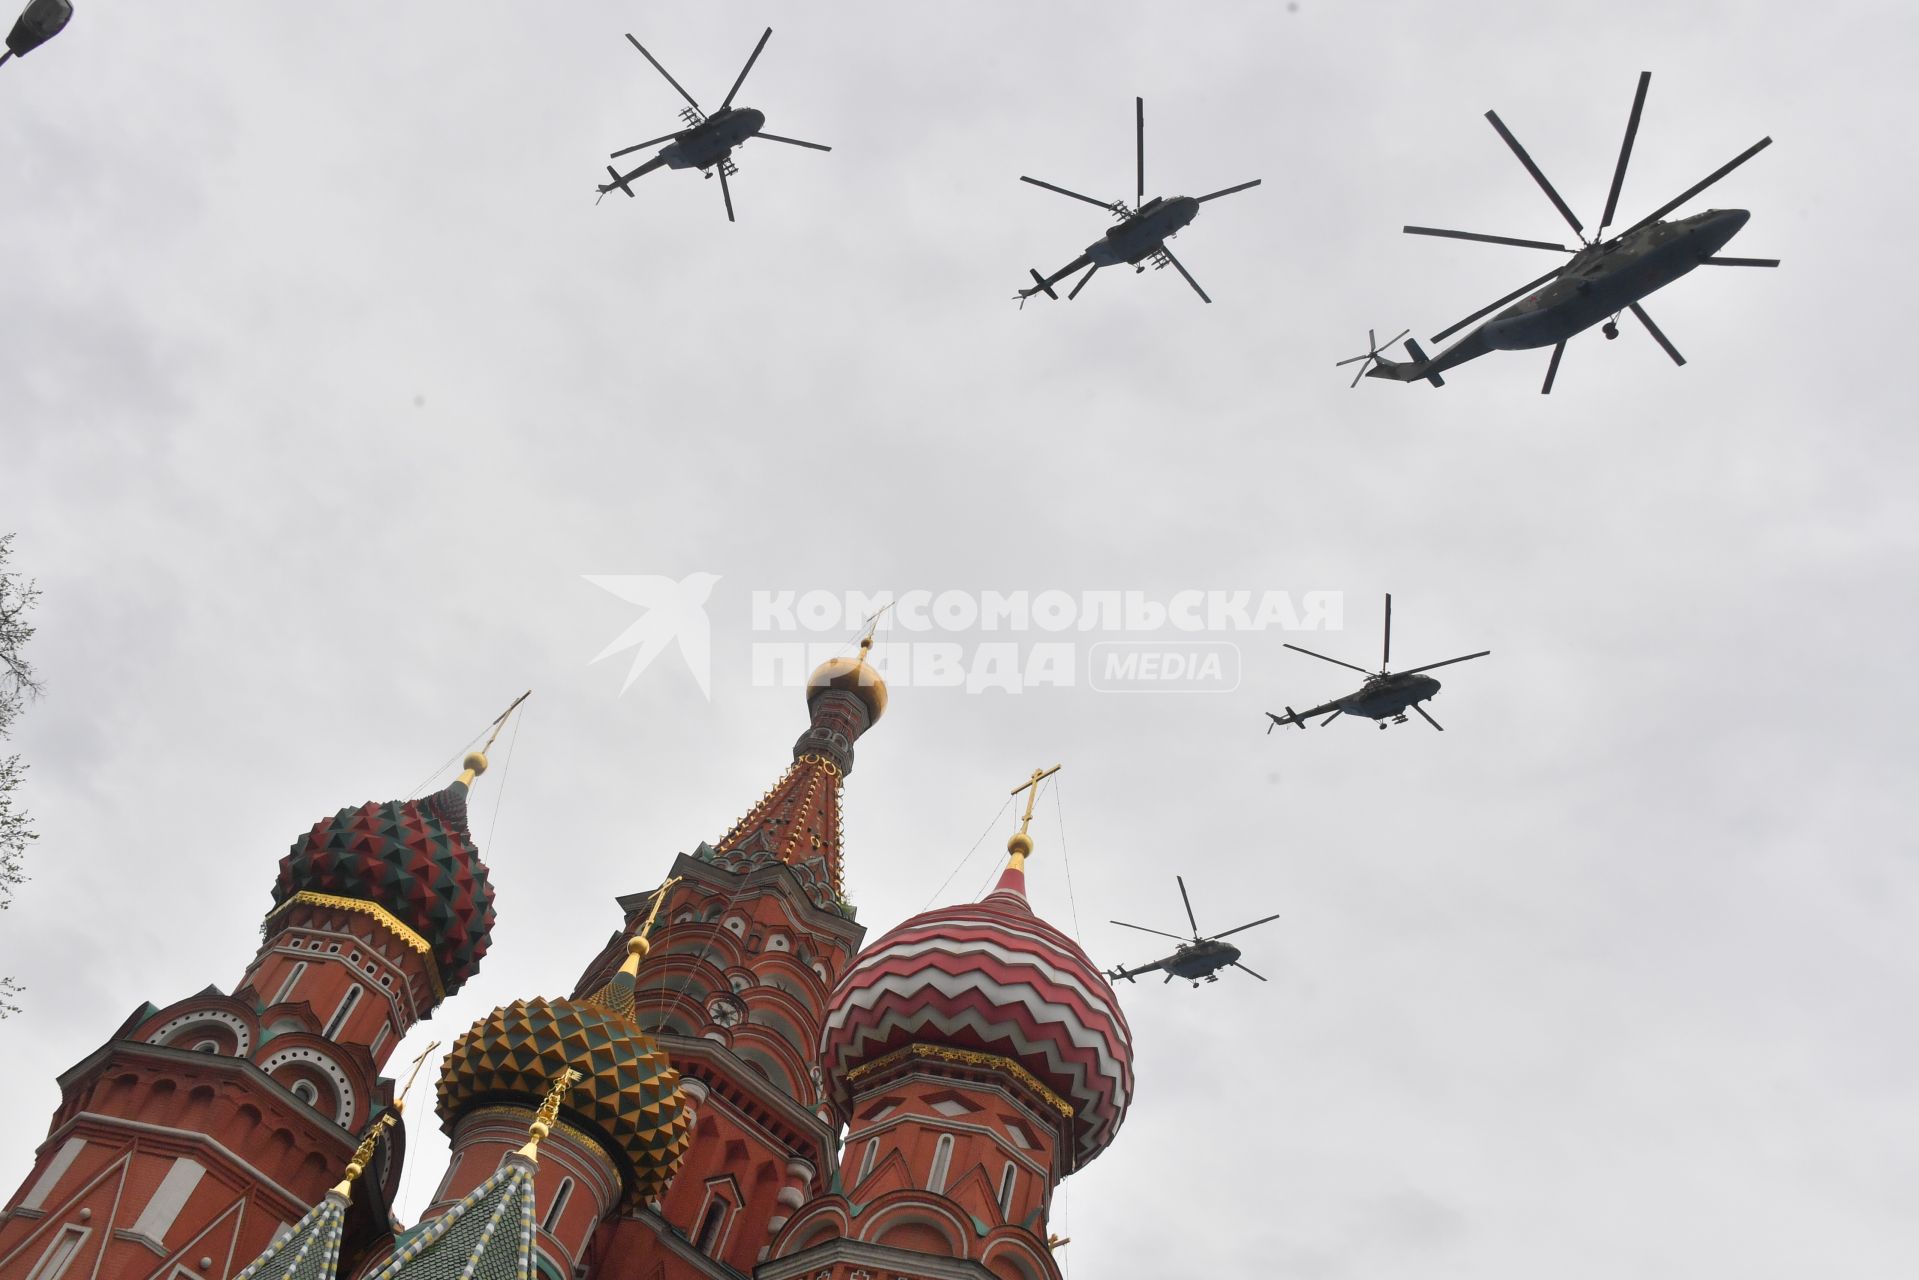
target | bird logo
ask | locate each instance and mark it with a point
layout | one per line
(670, 611)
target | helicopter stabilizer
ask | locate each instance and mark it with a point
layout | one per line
(1419, 357)
(618, 181)
(1040, 286)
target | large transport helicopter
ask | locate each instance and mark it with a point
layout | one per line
(1386, 695)
(1603, 278)
(1197, 960)
(1143, 230)
(707, 142)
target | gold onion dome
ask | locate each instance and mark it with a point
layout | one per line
(628, 1101)
(851, 675)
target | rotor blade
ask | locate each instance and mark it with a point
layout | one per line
(1189, 905)
(764, 37)
(1139, 130)
(793, 142)
(1657, 336)
(1740, 262)
(1238, 965)
(1552, 367)
(1244, 927)
(663, 71)
(1386, 654)
(1181, 268)
(726, 190)
(1528, 287)
(1474, 235)
(1428, 719)
(638, 146)
(1335, 661)
(1447, 663)
(1329, 719)
(1625, 148)
(1063, 191)
(1701, 185)
(1143, 929)
(1244, 186)
(1082, 283)
(1533, 169)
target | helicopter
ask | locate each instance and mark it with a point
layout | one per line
(38, 23)
(1198, 960)
(1603, 278)
(1386, 694)
(707, 142)
(1142, 233)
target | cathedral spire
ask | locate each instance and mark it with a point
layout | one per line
(798, 821)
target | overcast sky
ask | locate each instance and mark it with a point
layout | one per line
(326, 383)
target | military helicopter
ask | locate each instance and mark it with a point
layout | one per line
(1142, 233)
(1603, 278)
(1385, 695)
(1198, 960)
(707, 142)
(38, 23)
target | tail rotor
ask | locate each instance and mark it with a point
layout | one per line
(1371, 358)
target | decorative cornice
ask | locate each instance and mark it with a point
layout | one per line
(380, 914)
(968, 1058)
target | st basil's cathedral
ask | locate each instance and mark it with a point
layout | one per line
(739, 1085)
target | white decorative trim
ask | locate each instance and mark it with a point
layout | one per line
(56, 1170)
(328, 1067)
(242, 1034)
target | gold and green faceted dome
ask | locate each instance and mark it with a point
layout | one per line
(628, 1099)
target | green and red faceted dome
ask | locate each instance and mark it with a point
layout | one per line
(416, 860)
(993, 977)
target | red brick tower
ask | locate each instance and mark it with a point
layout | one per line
(754, 934)
(198, 1131)
(977, 1057)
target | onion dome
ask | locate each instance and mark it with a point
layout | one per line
(992, 977)
(413, 859)
(628, 1101)
(854, 676)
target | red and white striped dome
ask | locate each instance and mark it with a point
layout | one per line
(994, 977)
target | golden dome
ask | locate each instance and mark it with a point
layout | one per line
(854, 676)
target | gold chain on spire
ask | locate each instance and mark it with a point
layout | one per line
(549, 1113)
(475, 763)
(363, 1154)
(1021, 844)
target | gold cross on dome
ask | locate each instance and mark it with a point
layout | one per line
(1039, 775)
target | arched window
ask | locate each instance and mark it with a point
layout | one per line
(710, 1226)
(866, 1161)
(293, 980)
(942, 1157)
(340, 1015)
(558, 1206)
(1007, 1181)
(207, 1046)
(307, 1092)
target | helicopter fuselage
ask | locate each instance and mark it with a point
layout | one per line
(1196, 960)
(1600, 281)
(713, 139)
(1389, 696)
(1142, 234)
(1604, 280)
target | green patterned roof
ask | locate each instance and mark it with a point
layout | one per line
(486, 1236)
(310, 1251)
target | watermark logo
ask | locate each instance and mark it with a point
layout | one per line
(1012, 641)
(669, 610)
